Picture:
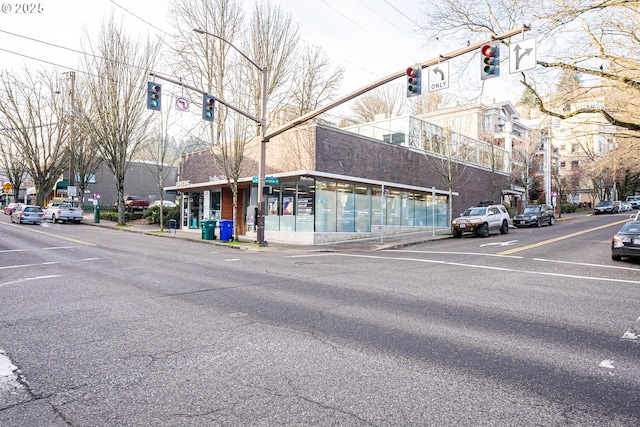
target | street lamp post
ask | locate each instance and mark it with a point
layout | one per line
(263, 139)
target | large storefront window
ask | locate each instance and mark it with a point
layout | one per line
(325, 206)
(328, 206)
(345, 208)
(304, 206)
(291, 206)
(363, 208)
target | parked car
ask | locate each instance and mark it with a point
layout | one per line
(635, 216)
(28, 213)
(64, 211)
(535, 215)
(165, 203)
(626, 242)
(617, 206)
(626, 207)
(605, 206)
(133, 204)
(481, 220)
(8, 210)
(634, 201)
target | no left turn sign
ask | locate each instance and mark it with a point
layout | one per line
(182, 104)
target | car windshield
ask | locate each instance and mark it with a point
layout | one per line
(631, 227)
(531, 210)
(607, 203)
(475, 212)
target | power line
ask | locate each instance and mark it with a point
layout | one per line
(402, 13)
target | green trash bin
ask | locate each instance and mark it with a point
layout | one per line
(208, 230)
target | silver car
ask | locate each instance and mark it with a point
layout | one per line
(28, 213)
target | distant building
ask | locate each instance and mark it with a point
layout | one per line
(139, 181)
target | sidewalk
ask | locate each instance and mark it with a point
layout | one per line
(247, 244)
(371, 243)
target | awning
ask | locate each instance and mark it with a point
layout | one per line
(62, 184)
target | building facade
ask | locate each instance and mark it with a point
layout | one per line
(326, 184)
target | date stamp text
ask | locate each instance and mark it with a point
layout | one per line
(22, 8)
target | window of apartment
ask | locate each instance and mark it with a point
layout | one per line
(575, 164)
(563, 164)
(488, 122)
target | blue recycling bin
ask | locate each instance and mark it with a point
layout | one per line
(226, 230)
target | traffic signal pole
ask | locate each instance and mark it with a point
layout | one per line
(388, 79)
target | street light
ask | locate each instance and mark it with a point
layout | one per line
(263, 132)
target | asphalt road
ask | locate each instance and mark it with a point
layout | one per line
(100, 327)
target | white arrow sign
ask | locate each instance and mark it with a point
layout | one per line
(522, 56)
(438, 76)
(509, 243)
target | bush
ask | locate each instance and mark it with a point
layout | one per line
(568, 208)
(113, 216)
(152, 214)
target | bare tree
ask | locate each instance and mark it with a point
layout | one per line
(114, 112)
(388, 100)
(229, 63)
(12, 163)
(37, 127)
(159, 151)
(592, 39)
(82, 148)
(447, 157)
(316, 82)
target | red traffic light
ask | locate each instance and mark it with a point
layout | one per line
(412, 72)
(490, 60)
(488, 50)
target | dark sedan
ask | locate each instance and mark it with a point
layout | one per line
(534, 215)
(626, 243)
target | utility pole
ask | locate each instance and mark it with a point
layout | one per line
(72, 126)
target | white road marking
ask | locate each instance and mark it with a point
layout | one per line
(36, 249)
(484, 267)
(28, 279)
(509, 243)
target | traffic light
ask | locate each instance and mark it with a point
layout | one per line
(414, 84)
(490, 61)
(208, 103)
(154, 96)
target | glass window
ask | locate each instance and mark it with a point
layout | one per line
(345, 208)
(363, 208)
(288, 219)
(394, 207)
(325, 206)
(408, 209)
(304, 205)
(376, 206)
(421, 207)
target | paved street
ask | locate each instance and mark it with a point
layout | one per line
(100, 326)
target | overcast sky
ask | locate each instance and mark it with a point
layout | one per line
(371, 39)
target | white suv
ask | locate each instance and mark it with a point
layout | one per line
(481, 220)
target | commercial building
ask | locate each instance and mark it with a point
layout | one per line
(327, 184)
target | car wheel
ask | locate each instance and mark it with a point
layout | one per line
(505, 228)
(483, 230)
(54, 219)
(552, 220)
(457, 233)
(539, 223)
(616, 257)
